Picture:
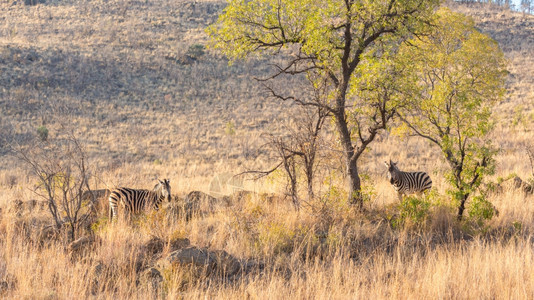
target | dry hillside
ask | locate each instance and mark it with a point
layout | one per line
(135, 83)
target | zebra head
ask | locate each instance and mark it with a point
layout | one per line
(393, 171)
(163, 188)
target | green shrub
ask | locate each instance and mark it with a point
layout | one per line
(275, 238)
(412, 211)
(196, 51)
(229, 128)
(42, 132)
(481, 210)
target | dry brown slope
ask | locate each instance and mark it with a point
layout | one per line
(514, 31)
(120, 74)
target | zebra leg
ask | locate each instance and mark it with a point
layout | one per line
(399, 195)
(111, 210)
(112, 213)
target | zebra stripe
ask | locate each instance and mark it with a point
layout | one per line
(135, 201)
(407, 182)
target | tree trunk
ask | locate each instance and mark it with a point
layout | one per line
(461, 208)
(355, 196)
(351, 166)
(310, 189)
(72, 231)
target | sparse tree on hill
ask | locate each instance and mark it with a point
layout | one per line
(60, 166)
(455, 75)
(326, 40)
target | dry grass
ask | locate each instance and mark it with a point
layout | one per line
(348, 256)
(117, 73)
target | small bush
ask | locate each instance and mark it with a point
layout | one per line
(412, 211)
(196, 51)
(229, 128)
(42, 132)
(100, 225)
(481, 210)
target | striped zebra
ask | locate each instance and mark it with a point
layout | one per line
(135, 201)
(407, 182)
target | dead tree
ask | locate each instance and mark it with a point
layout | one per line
(299, 148)
(60, 166)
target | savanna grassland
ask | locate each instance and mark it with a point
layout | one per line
(135, 84)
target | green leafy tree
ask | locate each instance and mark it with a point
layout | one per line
(333, 41)
(454, 75)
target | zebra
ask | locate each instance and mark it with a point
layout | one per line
(135, 201)
(407, 182)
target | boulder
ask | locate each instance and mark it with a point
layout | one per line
(226, 264)
(198, 203)
(153, 246)
(525, 186)
(98, 275)
(153, 278)
(200, 259)
(203, 260)
(48, 233)
(81, 244)
(179, 243)
(16, 207)
(8, 284)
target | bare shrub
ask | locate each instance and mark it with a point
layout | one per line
(60, 167)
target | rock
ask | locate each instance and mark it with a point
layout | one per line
(179, 243)
(154, 246)
(8, 284)
(152, 277)
(218, 261)
(48, 233)
(98, 274)
(199, 203)
(226, 264)
(520, 184)
(252, 266)
(16, 207)
(192, 256)
(153, 274)
(81, 244)
(198, 196)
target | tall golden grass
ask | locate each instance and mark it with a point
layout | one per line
(361, 255)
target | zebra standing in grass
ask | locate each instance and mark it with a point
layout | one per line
(407, 182)
(135, 201)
